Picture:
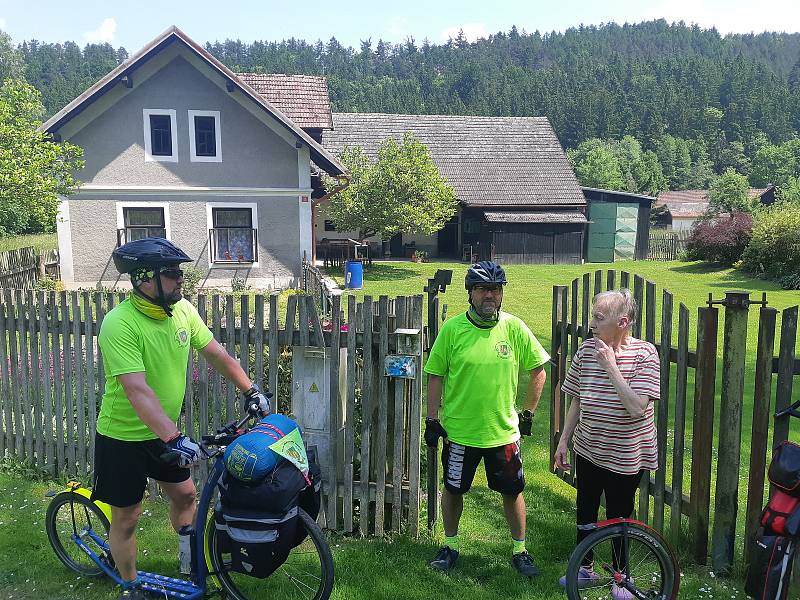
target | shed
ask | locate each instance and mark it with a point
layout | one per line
(619, 225)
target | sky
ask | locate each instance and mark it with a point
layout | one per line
(133, 24)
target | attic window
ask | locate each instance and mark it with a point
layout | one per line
(205, 141)
(160, 135)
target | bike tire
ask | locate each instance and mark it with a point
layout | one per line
(232, 583)
(59, 518)
(648, 538)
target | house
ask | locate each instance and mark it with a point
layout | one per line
(619, 225)
(177, 145)
(519, 199)
(681, 209)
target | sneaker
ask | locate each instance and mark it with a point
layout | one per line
(444, 560)
(620, 593)
(523, 563)
(586, 577)
(133, 593)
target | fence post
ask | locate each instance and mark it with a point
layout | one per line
(703, 428)
(556, 348)
(730, 431)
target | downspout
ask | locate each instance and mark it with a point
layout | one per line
(343, 183)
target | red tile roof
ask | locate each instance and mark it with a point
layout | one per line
(694, 203)
(303, 98)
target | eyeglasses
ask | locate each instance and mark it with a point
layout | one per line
(487, 289)
(173, 274)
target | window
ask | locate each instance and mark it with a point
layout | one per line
(205, 141)
(140, 222)
(233, 237)
(329, 226)
(160, 135)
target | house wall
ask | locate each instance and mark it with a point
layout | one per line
(93, 223)
(682, 223)
(253, 155)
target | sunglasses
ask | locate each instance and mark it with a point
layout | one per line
(488, 288)
(173, 274)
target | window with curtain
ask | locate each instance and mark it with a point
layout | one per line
(233, 235)
(160, 135)
(142, 222)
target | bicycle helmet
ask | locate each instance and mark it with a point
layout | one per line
(485, 272)
(144, 259)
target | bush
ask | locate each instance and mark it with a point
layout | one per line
(191, 278)
(50, 284)
(239, 284)
(720, 240)
(790, 282)
(774, 250)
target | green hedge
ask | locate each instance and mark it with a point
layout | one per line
(774, 249)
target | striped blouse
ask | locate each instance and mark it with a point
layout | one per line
(607, 435)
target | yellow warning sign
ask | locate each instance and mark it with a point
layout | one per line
(313, 388)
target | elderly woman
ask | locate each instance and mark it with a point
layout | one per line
(613, 380)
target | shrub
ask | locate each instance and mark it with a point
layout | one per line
(790, 282)
(50, 284)
(774, 250)
(191, 278)
(720, 240)
(239, 284)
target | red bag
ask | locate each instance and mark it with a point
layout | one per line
(781, 516)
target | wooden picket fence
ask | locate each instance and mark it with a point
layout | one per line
(22, 268)
(52, 381)
(666, 245)
(668, 487)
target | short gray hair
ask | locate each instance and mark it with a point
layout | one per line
(622, 300)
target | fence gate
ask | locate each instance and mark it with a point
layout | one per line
(682, 485)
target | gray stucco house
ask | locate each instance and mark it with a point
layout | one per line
(177, 145)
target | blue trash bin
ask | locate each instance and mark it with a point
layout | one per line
(354, 274)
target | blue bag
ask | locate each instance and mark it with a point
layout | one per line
(250, 458)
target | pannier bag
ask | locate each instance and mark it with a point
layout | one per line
(781, 516)
(784, 470)
(256, 523)
(771, 567)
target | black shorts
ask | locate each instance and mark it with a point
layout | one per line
(503, 466)
(121, 469)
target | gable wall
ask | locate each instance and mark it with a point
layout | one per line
(252, 154)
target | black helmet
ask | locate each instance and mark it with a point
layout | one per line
(148, 253)
(485, 272)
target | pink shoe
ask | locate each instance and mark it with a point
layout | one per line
(586, 578)
(620, 593)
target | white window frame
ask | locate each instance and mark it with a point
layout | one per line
(148, 145)
(210, 206)
(217, 133)
(121, 206)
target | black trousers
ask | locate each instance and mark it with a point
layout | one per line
(593, 481)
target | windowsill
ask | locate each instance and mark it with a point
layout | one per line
(233, 263)
(206, 159)
(159, 158)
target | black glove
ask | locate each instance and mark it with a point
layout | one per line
(433, 431)
(255, 393)
(182, 451)
(525, 422)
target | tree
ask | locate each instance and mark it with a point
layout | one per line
(596, 166)
(11, 64)
(772, 165)
(34, 171)
(402, 192)
(729, 194)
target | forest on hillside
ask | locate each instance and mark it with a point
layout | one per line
(672, 99)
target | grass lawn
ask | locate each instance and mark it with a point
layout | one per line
(40, 241)
(397, 568)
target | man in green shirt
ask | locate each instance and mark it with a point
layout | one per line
(145, 342)
(473, 372)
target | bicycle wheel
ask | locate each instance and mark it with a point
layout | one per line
(70, 513)
(652, 567)
(307, 573)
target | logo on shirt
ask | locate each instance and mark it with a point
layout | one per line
(182, 336)
(503, 350)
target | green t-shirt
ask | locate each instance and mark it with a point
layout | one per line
(481, 371)
(132, 343)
